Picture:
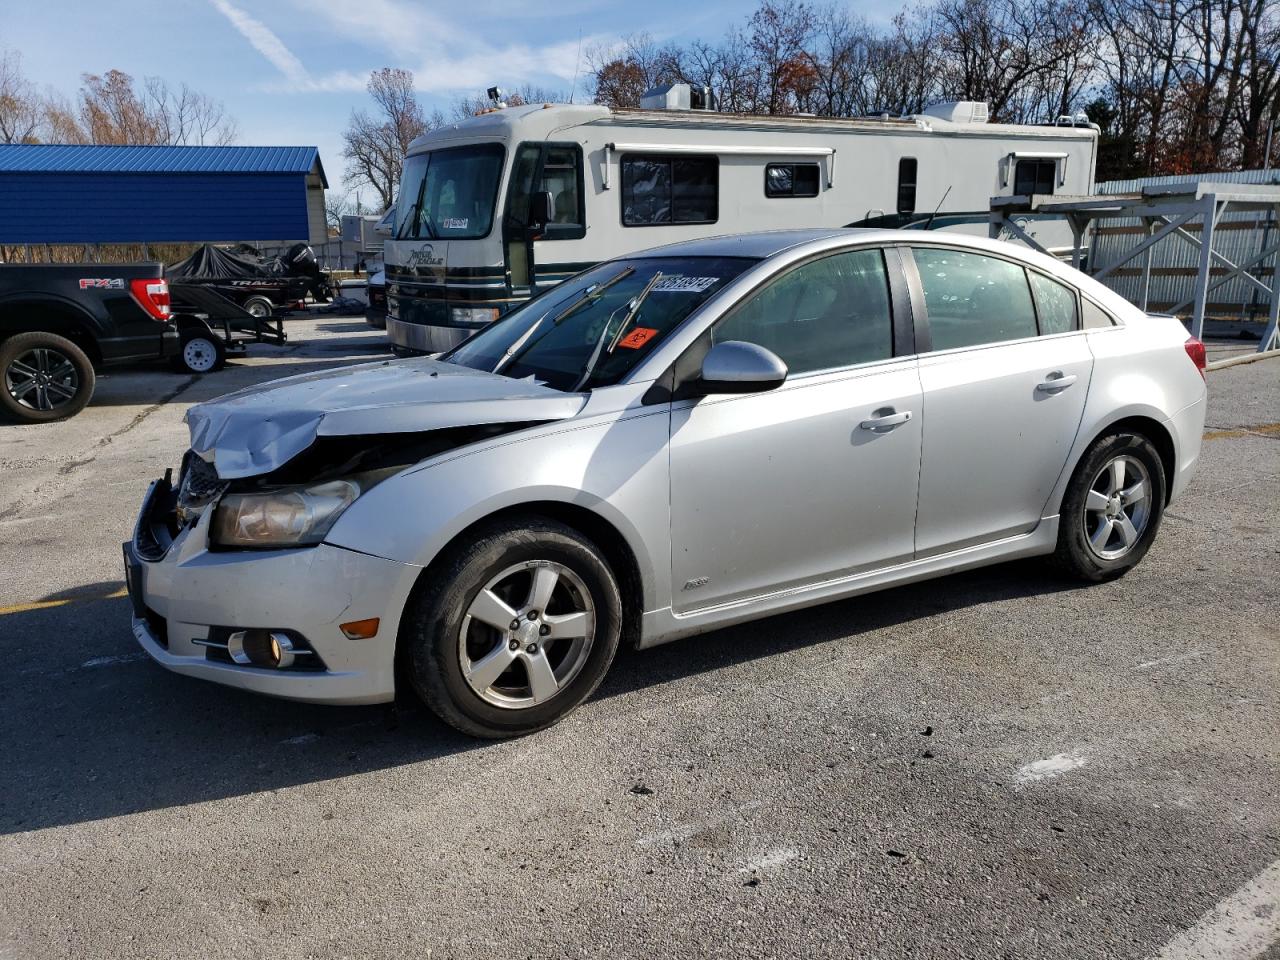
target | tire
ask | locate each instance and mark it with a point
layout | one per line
(259, 307)
(201, 353)
(444, 640)
(1102, 535)
(43, 377)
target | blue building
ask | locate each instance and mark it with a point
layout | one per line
(51, 193)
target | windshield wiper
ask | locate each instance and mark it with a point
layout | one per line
(591, 293)
(613, 342)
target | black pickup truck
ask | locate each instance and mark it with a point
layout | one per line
(60, 321)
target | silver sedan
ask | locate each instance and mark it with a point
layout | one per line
(678, 440)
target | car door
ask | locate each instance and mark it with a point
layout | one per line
(1004, 382)
(817, 478)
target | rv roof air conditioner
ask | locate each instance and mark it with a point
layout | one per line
(958, 111)
(678, 96)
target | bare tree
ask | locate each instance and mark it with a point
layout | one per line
(375, 145)
(20, 113)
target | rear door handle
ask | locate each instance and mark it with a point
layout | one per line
(887, 421)
(1056, 382)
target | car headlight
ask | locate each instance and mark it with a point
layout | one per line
(286, 516)
(473, 315)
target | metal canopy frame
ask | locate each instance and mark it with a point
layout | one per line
(1165, 210)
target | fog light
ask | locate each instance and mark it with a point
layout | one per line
(261, 648)
(359, 629)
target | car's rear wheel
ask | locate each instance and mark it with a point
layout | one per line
(43, 377)
(514, 629)
(1112, 508)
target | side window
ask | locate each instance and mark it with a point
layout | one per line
(974, 299)
(907, 167)
(1035, 176)
(666, 189)
(825, 314)
(791, 180)
(1055, 305)
(560, 167)
(1095, 318)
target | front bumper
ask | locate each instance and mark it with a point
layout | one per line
(426, 338)
(192, 595)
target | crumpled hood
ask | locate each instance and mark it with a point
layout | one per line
(258, 429)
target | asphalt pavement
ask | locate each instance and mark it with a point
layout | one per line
(998, 764)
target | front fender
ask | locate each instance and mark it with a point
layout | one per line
(616, 467)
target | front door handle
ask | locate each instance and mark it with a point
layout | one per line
(1056, 382)
(886, 420)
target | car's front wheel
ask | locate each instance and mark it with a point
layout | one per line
(1112, 508)
(514, 628)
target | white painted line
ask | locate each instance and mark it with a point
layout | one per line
(1166, 661)
(1054, 766)
(774, 857)
(114, 661)
(1241, 927)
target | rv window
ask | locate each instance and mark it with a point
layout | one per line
(662, 189)
(1035, 176)
(550, 168)
(824, 314)
(791, 180)
(907, 186)
(1055, 305)
(972, 299)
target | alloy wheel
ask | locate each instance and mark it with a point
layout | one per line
(1117, 507)
(526, 634)
(42, 379)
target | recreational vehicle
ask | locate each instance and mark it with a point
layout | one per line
(500, 207)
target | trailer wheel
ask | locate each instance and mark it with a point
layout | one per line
(259, 307)
(201, 353)
(43, 377)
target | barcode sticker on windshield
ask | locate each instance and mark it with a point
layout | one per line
(456, 223)
(680, 284)
(637, 338)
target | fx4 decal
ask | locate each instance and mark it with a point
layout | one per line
(101, 283)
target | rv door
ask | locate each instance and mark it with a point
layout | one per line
(544, 203)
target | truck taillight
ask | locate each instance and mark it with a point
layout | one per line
(152, 296)
(1195, 350)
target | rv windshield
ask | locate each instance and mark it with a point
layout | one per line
(592, 330)
(449, 194)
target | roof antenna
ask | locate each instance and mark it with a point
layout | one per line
(928, 225)
(577, 62)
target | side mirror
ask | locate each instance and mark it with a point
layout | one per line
(542, 210)
(738, 367)
(384, 228)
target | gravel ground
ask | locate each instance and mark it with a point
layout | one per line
(995, 764)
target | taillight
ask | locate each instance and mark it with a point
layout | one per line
(1195, 350)
(152, 296)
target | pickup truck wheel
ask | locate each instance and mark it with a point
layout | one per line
(44, 378)
(259, 307)
(200, 353)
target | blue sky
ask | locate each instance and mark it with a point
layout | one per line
(291, 71)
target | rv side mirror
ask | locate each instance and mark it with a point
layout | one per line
(383, 229)
(542, 209)
(735, 366)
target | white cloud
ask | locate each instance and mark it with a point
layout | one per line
(265, 41)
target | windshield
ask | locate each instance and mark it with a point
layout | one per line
(449, 194)
(592, 330)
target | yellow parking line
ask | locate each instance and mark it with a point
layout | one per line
(1265, 429)
(46, 604)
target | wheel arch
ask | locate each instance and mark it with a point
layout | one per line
(51, 315)
(617, 549)
(1145, 425)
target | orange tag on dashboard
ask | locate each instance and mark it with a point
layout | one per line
(637, 338)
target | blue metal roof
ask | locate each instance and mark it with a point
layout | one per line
(74, 158)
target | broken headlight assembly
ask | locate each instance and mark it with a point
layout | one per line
(293, 516)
